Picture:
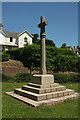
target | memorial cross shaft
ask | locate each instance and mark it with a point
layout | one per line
(43, 50)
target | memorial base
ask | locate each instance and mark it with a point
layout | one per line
(43, 91)
(43, 79)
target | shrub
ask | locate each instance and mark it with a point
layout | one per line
(6, 78)
(27, 77)
(22, 77)
(65, 63)
(5, 57)
(31, 56)
(57, 59)
(78, 64)
(14, 53)
(70, 77)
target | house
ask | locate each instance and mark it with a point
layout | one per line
(76, 49)
(10, 40)
(70, 47)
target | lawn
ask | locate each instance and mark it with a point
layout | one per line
(13, 108)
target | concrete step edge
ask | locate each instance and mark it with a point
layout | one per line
(43, 90)
(44, 102)
(42, 86)
(35, 94)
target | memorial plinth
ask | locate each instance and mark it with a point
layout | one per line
(43, 90)
(43, 79)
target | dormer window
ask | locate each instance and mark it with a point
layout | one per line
(25, 39)
(11, 39)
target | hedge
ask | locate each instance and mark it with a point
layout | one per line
(70, 77)
(4, 57)
(27, 77)
(57, 59)
(20, 77)
(6, 78)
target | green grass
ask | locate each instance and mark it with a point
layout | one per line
(13, 108)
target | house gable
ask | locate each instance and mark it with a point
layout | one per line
(25, 32)
(24, 38)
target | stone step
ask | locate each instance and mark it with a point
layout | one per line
(43, 86)
(43, 90)
(46, 96)
(43, 102)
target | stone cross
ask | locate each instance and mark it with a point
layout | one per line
(43, 51)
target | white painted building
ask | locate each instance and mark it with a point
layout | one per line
(10, 40)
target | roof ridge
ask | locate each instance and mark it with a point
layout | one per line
(10, 31)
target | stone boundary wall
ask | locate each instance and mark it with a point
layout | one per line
(14, 70)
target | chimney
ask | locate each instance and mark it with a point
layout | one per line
(1, 26)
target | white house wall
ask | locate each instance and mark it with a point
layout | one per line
(6, 41)
(21, 40)
(2, 39)
(11, 43)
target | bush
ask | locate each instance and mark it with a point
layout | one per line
(70, 77)
(31, 56)
(58, 77)
(14, 53)
(6, 78)
(66, 63)
(22, 77)
(78, 64)
(57, 59)
(5, 57)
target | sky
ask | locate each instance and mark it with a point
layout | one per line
(0, 12)
(62, 19)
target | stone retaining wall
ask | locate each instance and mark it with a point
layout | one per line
(14, 70)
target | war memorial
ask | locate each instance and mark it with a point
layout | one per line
(43, 90)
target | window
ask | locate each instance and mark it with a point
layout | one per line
(11, 39)
(25, 39)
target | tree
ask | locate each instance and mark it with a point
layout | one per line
(63, 45)
(48, 42)
(37, 41)
(35, 38)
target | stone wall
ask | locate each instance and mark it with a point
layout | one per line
(14, 70)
